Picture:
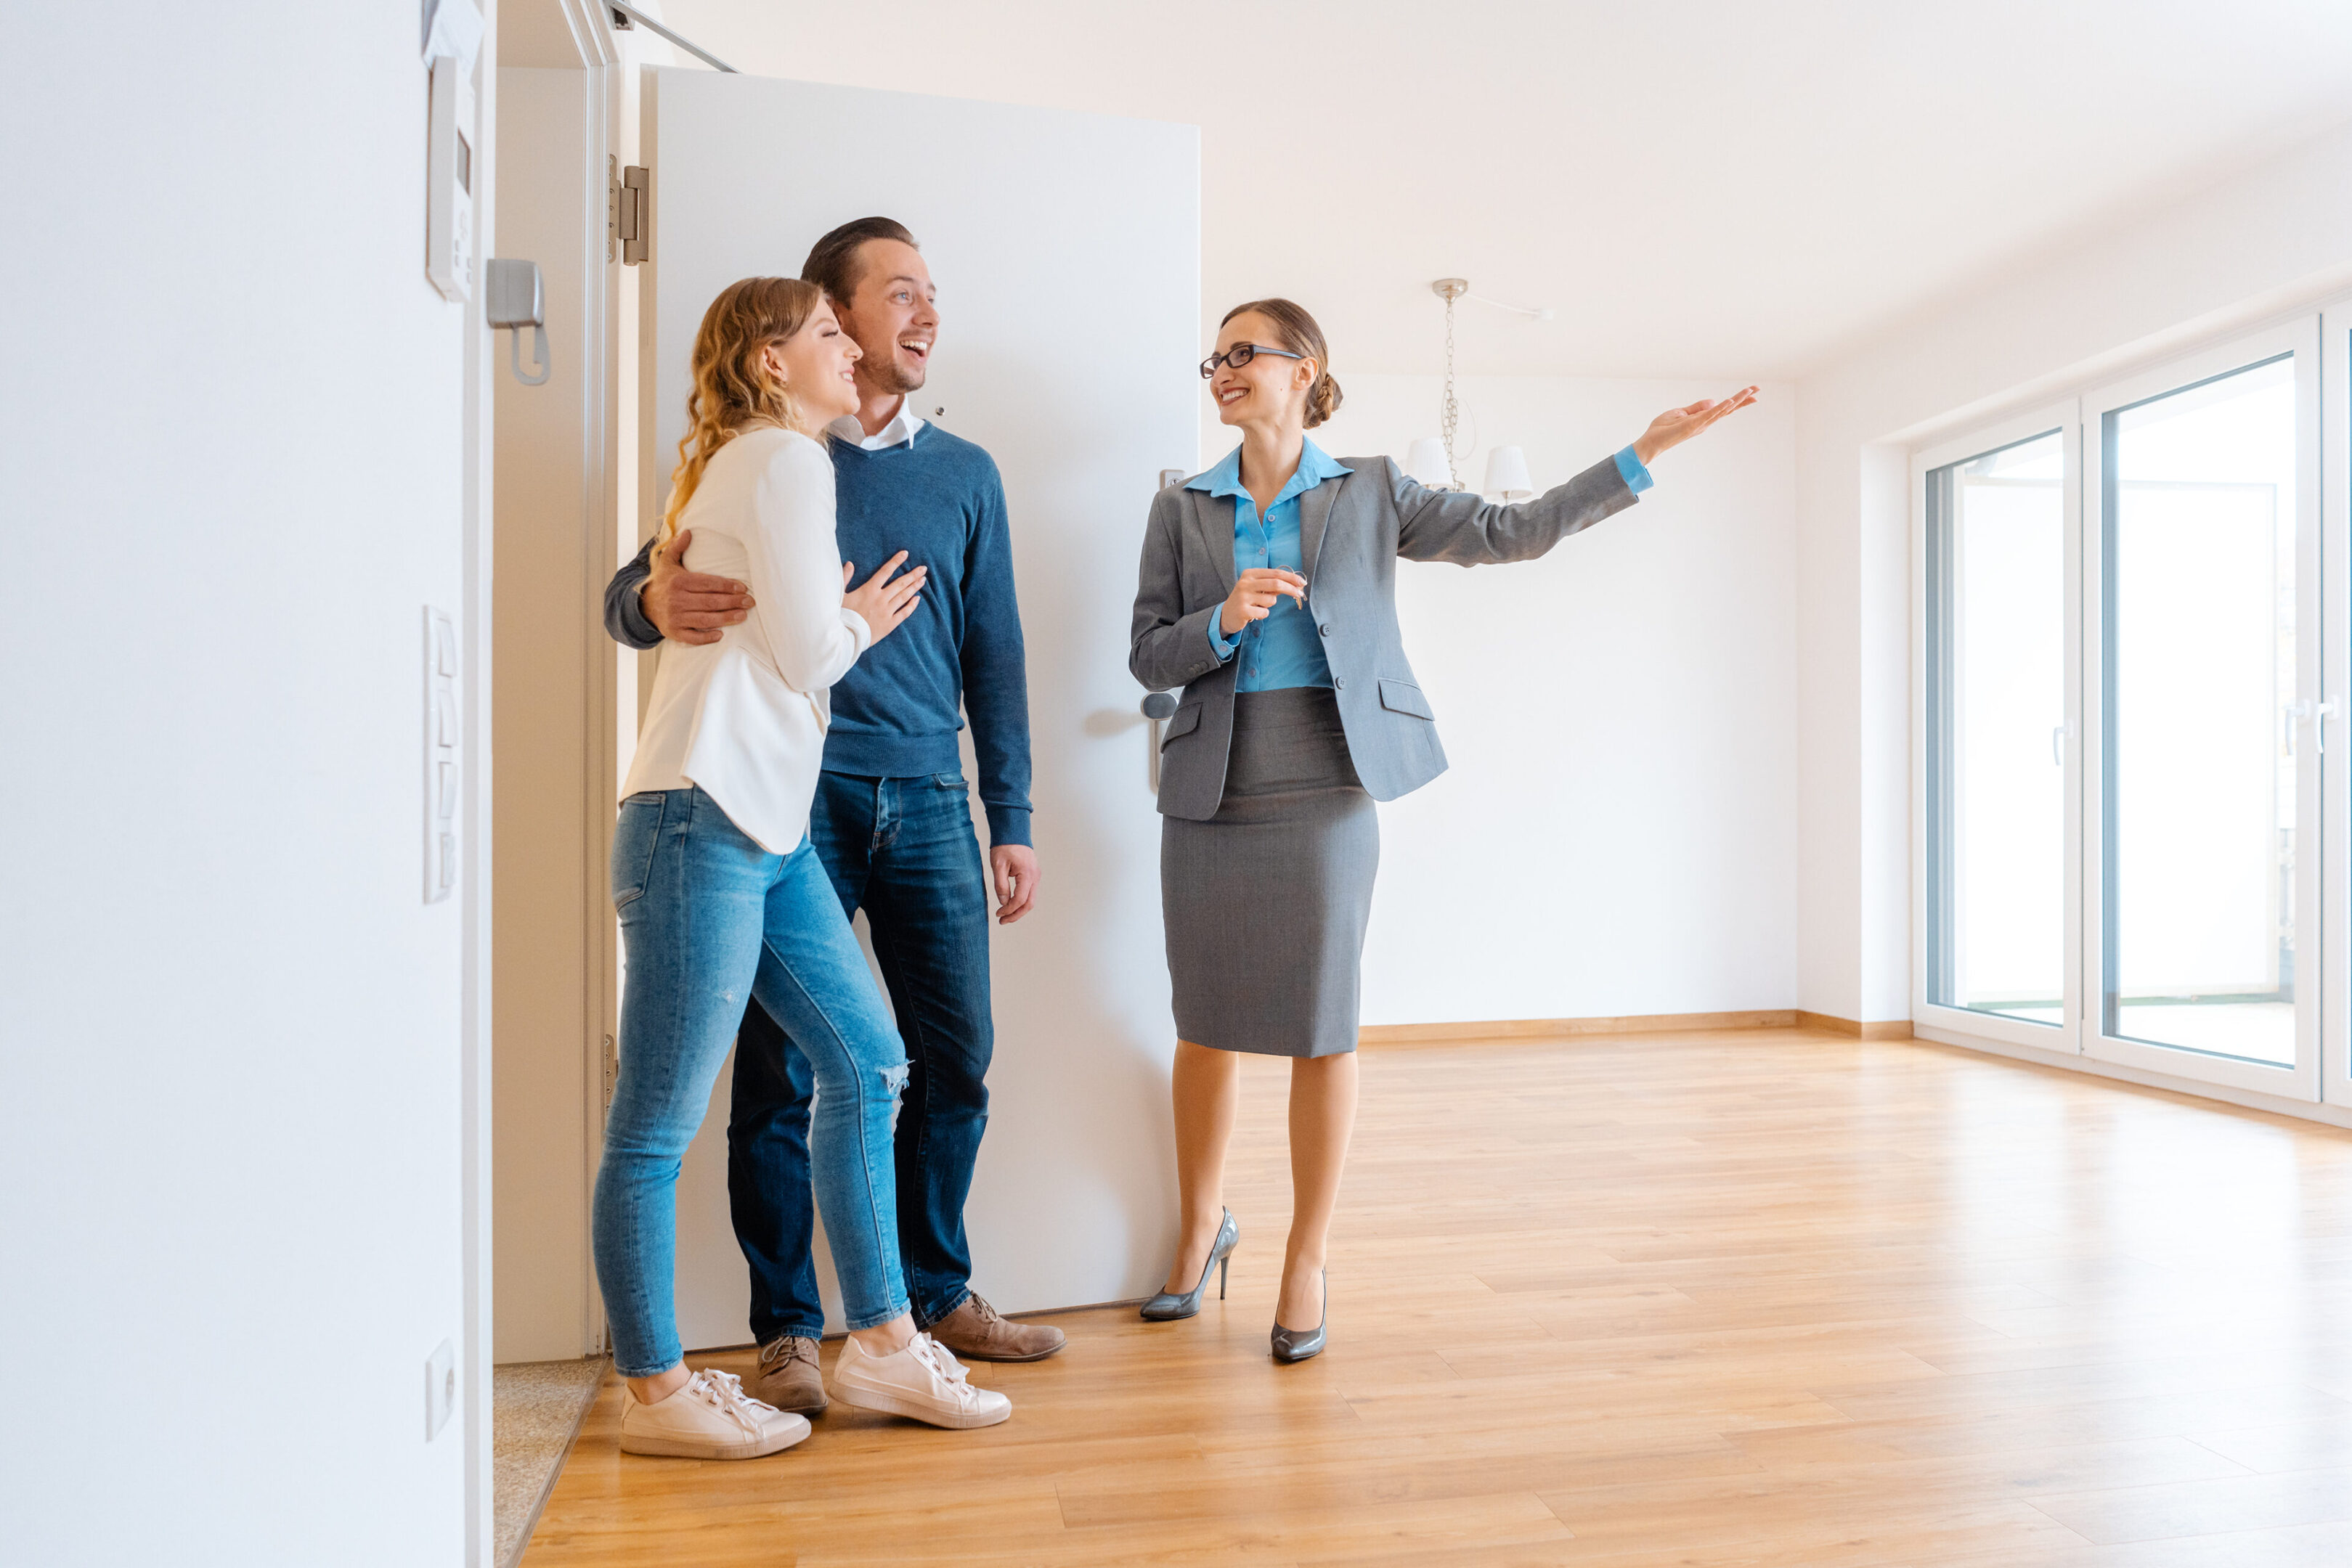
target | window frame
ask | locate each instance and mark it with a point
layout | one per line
(2320, 333)
(2300, 337)
(2334, 415)
(2064, 1037)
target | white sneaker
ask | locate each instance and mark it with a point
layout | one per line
(710, 1419)
(922, 1382)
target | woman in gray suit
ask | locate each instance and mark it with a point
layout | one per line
(1267, 593)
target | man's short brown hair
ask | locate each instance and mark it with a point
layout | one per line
(832, 265)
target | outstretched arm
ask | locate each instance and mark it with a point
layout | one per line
(1676, 426)
(1468, 531)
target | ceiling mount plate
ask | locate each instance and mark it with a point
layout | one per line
(1450, 287)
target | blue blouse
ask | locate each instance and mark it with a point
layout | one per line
(1285, 650)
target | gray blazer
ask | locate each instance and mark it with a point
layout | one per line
(1351, 531)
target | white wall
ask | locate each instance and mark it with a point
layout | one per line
(2270, 238)
(1617, 832)
(231, 448)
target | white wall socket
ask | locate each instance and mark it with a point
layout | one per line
(440, 1388)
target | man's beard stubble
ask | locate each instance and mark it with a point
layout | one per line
(896, 379)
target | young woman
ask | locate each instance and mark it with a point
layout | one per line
(719, 893)
(1267, 593)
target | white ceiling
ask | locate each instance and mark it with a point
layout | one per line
(1718, 188)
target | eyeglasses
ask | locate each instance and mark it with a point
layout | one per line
(1241, 354)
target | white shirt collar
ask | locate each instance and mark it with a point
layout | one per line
(899, 431)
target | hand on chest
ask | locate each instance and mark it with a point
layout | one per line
(867, 540)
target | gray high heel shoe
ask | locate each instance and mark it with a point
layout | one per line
(1170, 1305)
(1298, 1344)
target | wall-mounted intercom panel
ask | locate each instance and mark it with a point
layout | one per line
(452, 139)
(449, 183)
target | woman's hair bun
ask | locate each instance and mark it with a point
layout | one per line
(1323, 398)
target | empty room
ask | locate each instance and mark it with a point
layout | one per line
(1050, 786)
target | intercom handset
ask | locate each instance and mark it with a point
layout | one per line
(516, 299)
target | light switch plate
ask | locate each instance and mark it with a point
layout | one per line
(444, 756)
(440, 1388)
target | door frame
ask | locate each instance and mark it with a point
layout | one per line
(599, 54)
(2300, 337)
(477, 531)
(605, 60)
(2334, 415)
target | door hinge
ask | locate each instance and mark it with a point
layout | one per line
(628, 213)
(611, 1070)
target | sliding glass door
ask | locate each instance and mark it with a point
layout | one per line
(1998, 953)
(2202, 686)
(2134, 621)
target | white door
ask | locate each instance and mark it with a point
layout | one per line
(1066, 251)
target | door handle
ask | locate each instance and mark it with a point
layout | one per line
(2318, 713)
(1157, 706)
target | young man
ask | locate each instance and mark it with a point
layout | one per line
(891, 822)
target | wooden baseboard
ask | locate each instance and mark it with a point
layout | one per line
(1491, 1029)
(1885, 1028)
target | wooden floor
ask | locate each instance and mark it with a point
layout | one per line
(1765, 1298)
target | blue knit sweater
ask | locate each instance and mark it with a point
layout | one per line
(897, 712)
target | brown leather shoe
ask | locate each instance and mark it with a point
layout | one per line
(788, 1377)
(975, 1332)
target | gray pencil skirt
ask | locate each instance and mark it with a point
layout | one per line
(1265, 903)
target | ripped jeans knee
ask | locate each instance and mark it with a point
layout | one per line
(853, 1170)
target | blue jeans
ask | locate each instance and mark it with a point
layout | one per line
(711, 918)
(903, 851)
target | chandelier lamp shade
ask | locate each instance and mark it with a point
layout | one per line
(1427, 462)
(1506, 475)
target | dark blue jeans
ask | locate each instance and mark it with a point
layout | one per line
(903, 850)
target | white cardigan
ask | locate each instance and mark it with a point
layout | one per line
(745, 716)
